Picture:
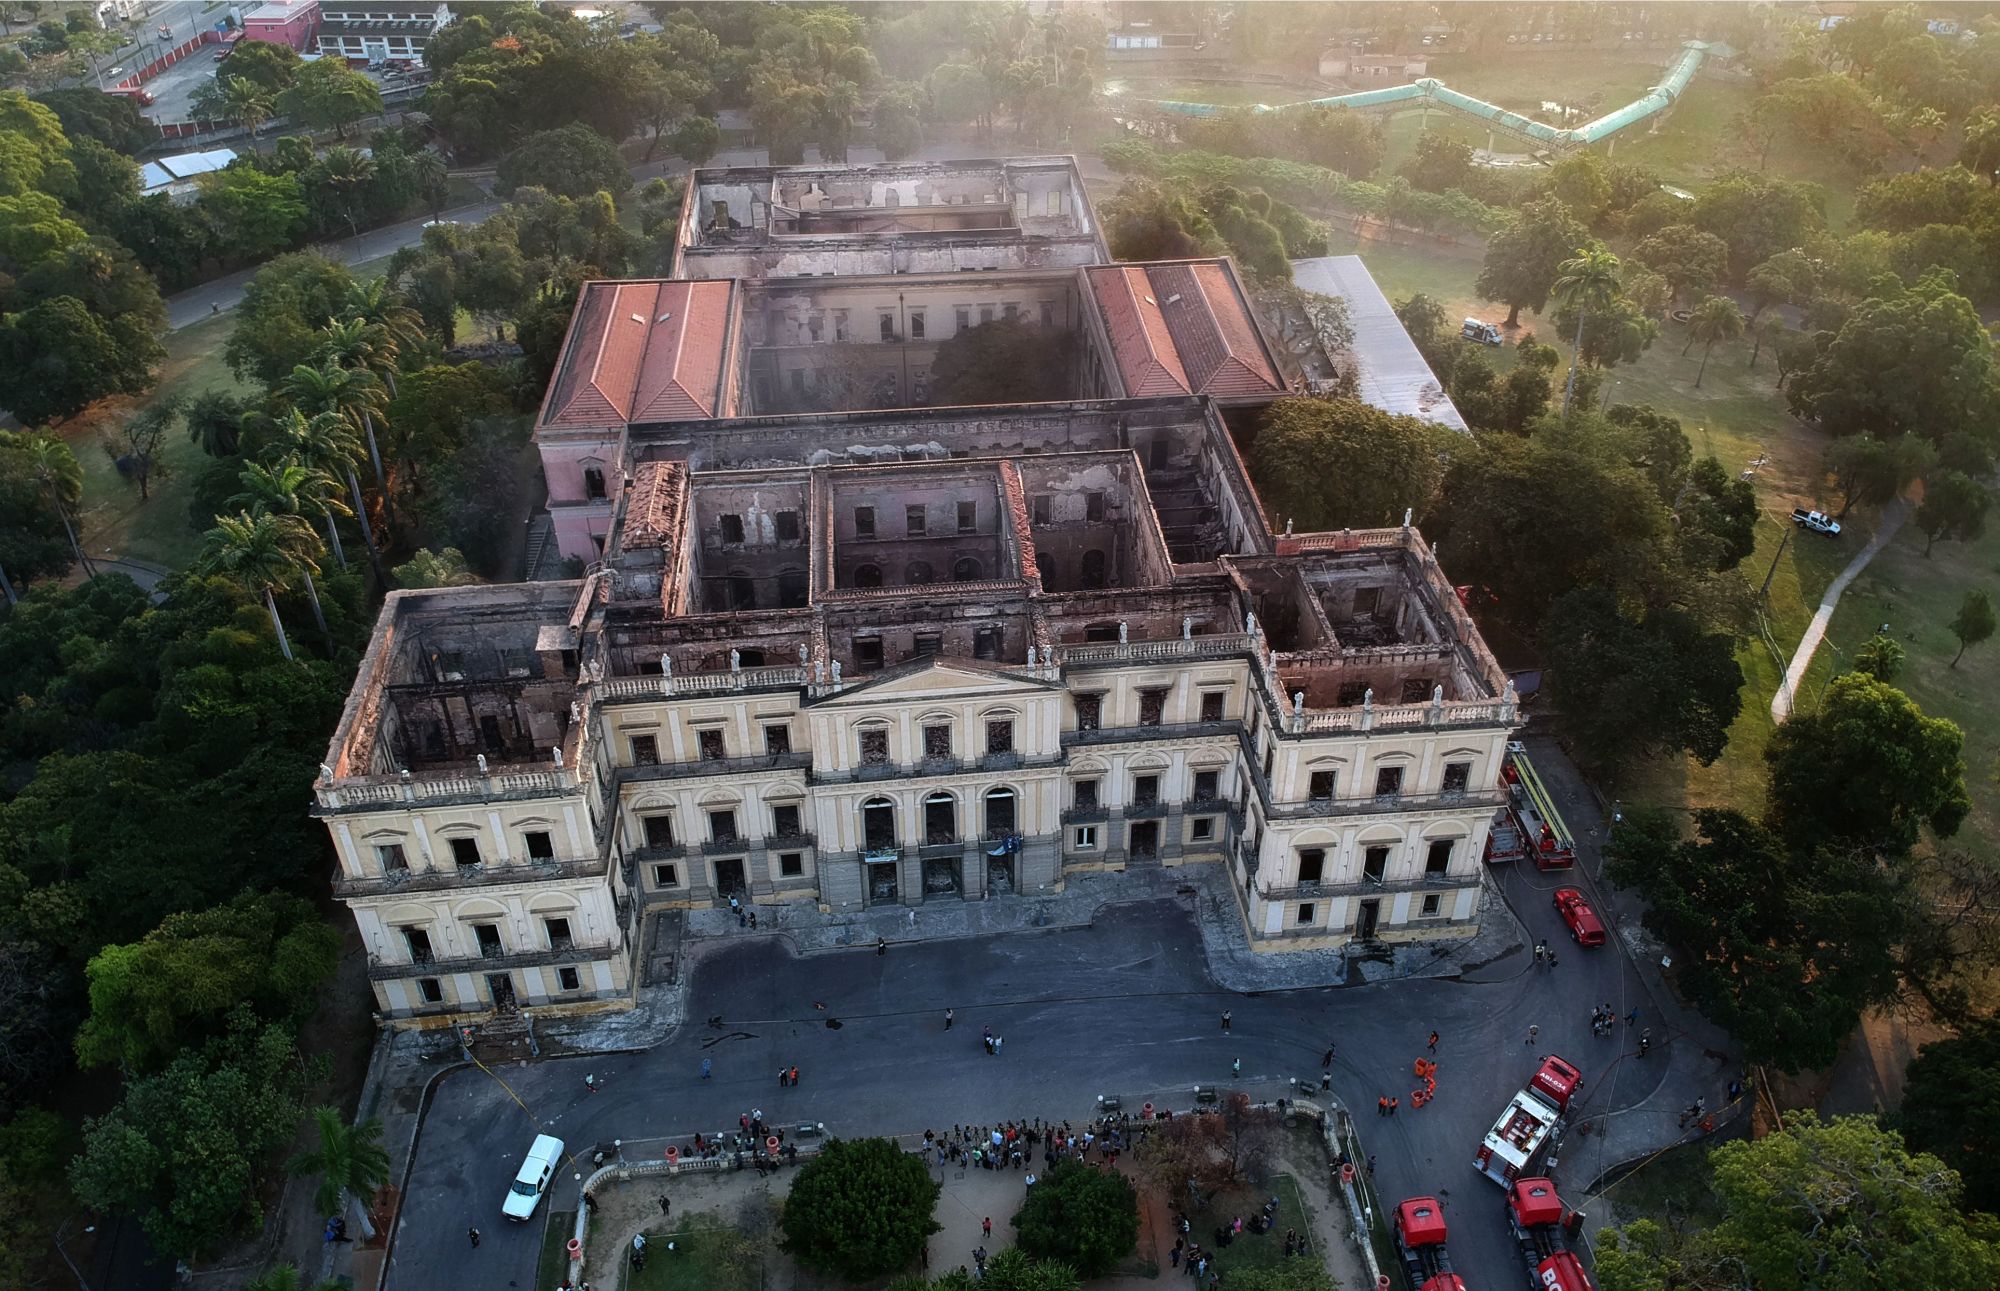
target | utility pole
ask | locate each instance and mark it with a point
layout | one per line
(1772, 571)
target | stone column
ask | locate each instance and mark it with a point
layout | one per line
(972, 871)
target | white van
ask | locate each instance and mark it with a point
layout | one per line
(537, 1170)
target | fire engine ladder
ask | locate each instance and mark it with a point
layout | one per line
(1545, 806)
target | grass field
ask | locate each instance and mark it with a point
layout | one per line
(115, 521)
(552, 1267)
(1253, 1250)
(1917, 598)
(703, 1259)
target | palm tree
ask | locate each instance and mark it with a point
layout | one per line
(291, 488)
(354, 393)
(350, 1163)
(328, 442)
(1589, 281)
(61, 477)
(257, 551)
(347, 173)
(247, 103)
(1715, 319)
(354, 344)
(377, 302)
(428, 169)
(215, 422)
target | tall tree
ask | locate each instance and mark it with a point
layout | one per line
(1716, 319)
(1588, 282)
(1083, 1217)
(1325, 464)
(1783, 948)
(1954, 508)
(1951, 1107)
(351, 1164)
(60, 476)
(1907, 360)
(1973, 623)
(327, 441)
(137, 447)
(1866, 770)
(1524, 259)
(257, 551)
(1687, 258)
(571, 161)
(326, 94)
(860, 1209)
(57, 358)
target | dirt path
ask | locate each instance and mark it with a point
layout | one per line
(1893, 516)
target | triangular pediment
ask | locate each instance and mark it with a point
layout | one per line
(940, 679)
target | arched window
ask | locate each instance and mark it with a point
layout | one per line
(868, 576)
(940, 819)
(918, 572)
(1093, 569)
(965, 570)
(593, 483)
(999, 813)
(878, 824)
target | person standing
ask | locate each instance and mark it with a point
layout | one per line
(986, 1226)
(473, 1233)
(1434, 1042)
(1382, 1105)
(1235, 1066)
(704, 1068)
(881, 946)
(996, 1046)
(795, 1077)
(1533, 1031)
(948, 1015)
(1225, 1020)
(1327, 1061)
(1645, 1040)
(666, 1205)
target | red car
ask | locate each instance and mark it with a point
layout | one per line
(1584, 925)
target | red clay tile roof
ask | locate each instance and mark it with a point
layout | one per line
(642, 351)
(1196, 335)
(1140, 342)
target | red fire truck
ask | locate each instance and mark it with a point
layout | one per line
(1420, 1241)
(1523, 1130)
(1543, 1231)
(1541, 828)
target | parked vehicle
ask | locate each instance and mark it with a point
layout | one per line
(143, 97)
(1420, 1235)
(1524, 1129)
(1544, 1231)
(1817, 521)
(533, 1178)
(1542, 829)
(1473, 329)
(1585, 928)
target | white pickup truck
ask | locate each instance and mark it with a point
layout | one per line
(1817, 521)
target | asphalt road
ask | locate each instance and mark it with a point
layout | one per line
(1125, 1007)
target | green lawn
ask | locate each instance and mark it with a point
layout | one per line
(703, 1259)
(1253, 1250)
(1597, 78)
(115, 521)
(1917, 598)
(553, 1265)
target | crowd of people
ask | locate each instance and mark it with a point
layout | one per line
(1011, 1145)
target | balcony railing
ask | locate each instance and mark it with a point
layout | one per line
(716, 766)
(655, 686)
(1217, 646)
(380, 969)
(1204, 806)
(1168, 731)
(1153, 810)
(1369, 887)
(935, 767)
(1085, 815)
(1384, 803)
(793, 842)
(736, 845)
(671, 852)
(467, 876)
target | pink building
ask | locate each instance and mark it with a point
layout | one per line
(283, 22)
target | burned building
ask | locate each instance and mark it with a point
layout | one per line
(883, 651)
